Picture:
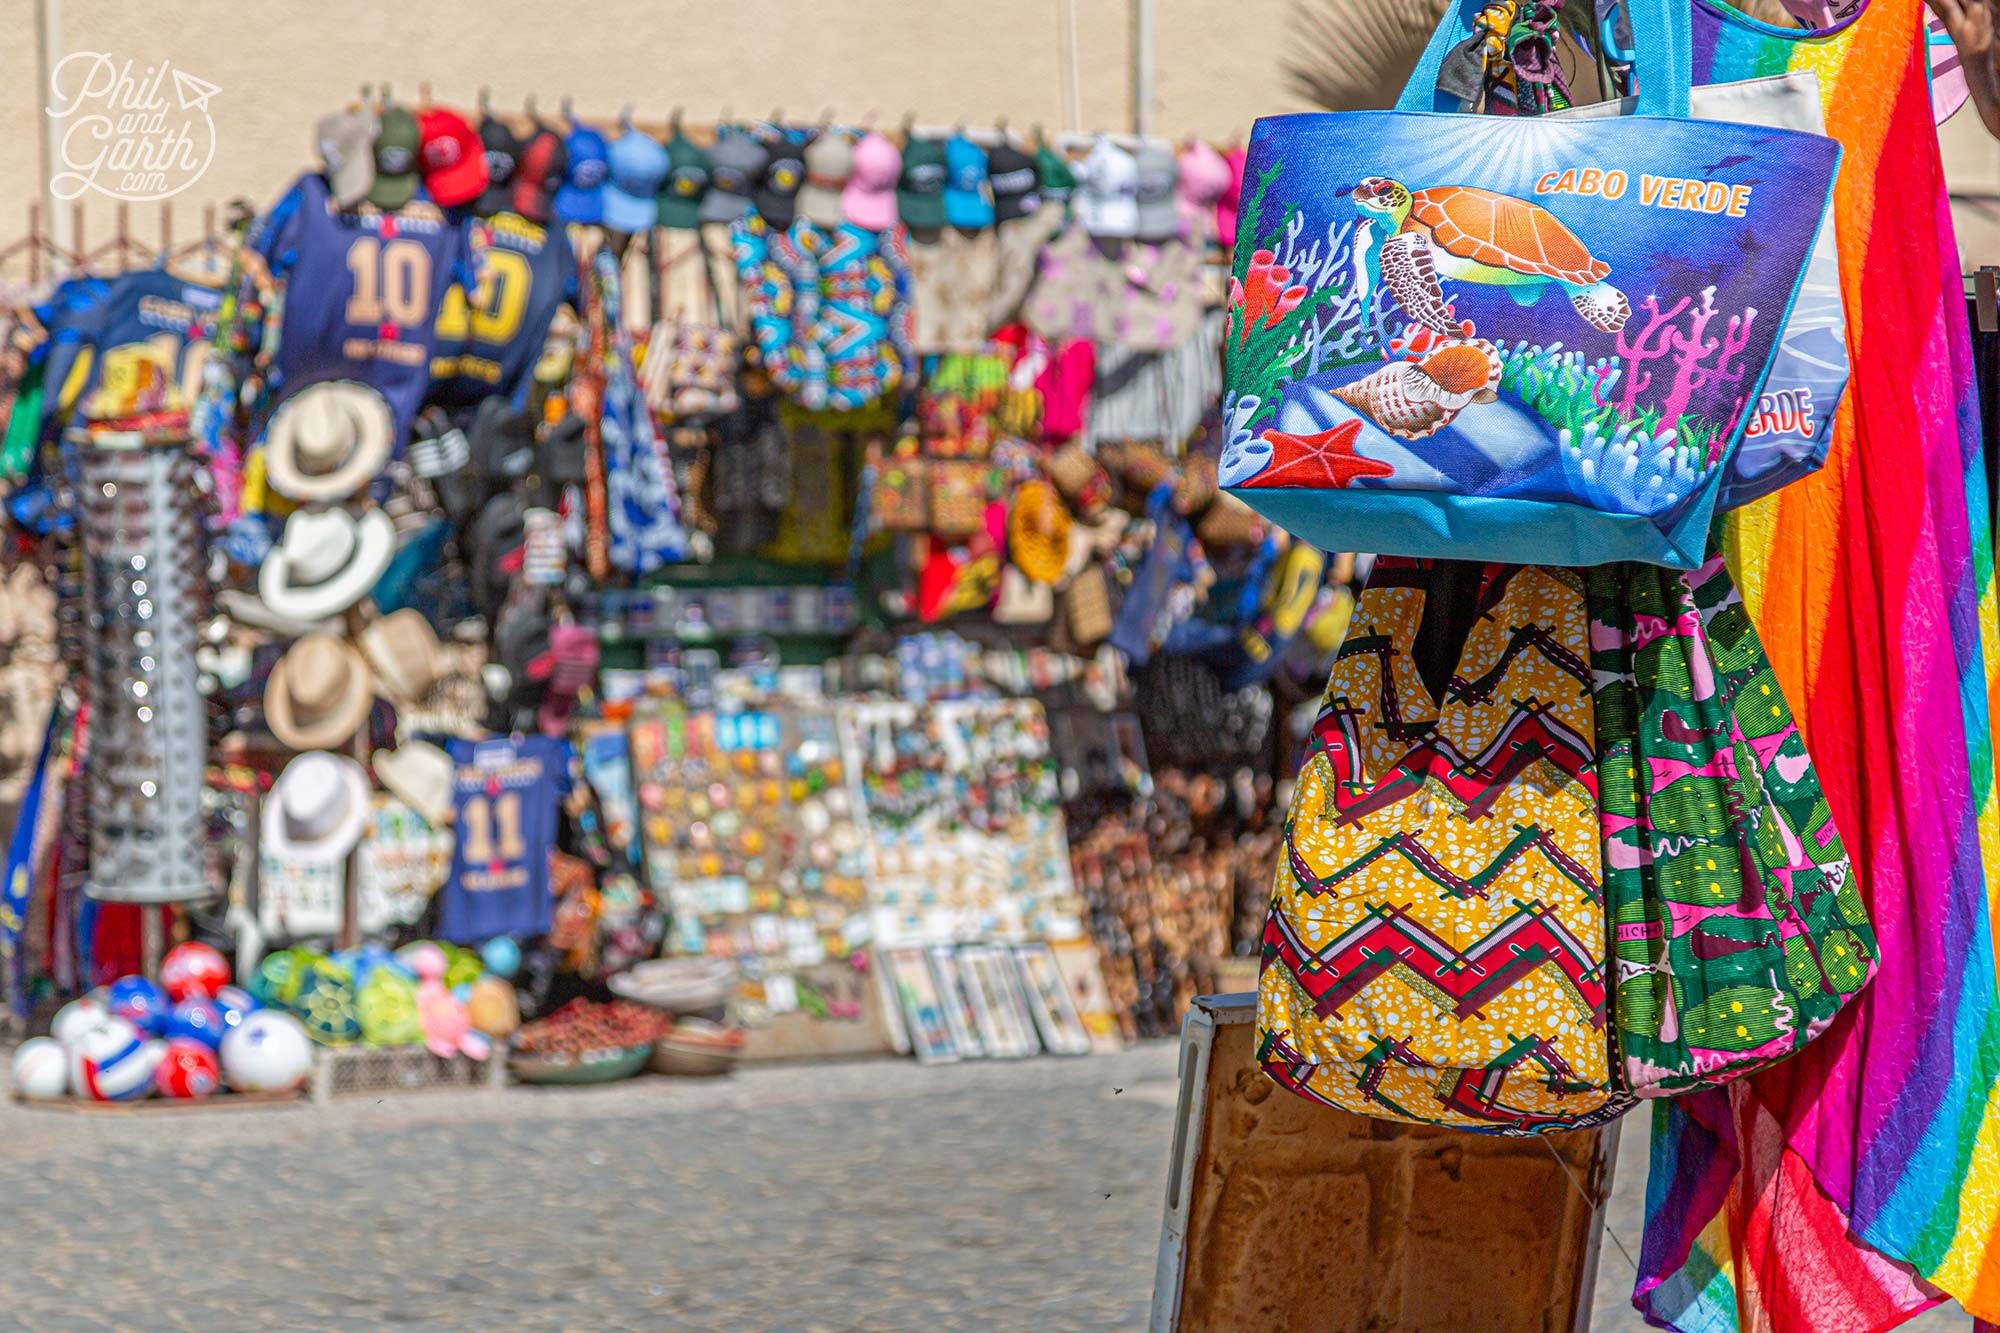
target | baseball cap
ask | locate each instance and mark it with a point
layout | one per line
(968, 194)
(503, 149)
(869, 201)
(1058, 181)
(347, 151)
(1016, 187)
(777, 194)
(1159, 210)
(581, 198)
(735, 163)
(538, 171)
(687, 181)
(396, 142)
(1107, 191)
(829, 166)
(920, 195)
(1205, 178)
(454, 159)
(638, 164)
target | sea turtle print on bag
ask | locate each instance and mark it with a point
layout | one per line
(1436, 946)
(1737, 930)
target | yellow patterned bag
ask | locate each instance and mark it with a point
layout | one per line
(1436, 946)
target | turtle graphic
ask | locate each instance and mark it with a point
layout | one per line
(1474, 235)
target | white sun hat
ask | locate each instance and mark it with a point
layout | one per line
(317, 809)
(327, 441)
(420, 773)
(327, 561)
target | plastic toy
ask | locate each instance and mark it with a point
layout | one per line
(447, 1029)
(196, 1019)
(114, 1062)
(267, 1052)
(77, 1017)
(193, 970)
(190, 1069)
(139, 1002)
(41, 1069)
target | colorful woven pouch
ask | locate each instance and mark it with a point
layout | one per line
(1737, 927)
(1436, 946)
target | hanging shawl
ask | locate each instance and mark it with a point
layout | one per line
(642, 506)
(1859, 1181)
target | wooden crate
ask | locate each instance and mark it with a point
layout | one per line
(340, 1071)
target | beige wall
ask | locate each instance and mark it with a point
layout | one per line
(280, 65)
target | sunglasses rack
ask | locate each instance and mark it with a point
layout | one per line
(142, 563)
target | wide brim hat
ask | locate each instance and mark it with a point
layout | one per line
(405, 653)
(419, 773)
(326, 562)
(337, 415)
(317, 809)
(319, 693)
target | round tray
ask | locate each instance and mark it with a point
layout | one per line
(601, 1066)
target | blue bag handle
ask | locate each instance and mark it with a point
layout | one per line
(1661, 31)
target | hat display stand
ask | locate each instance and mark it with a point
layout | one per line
(143, 559)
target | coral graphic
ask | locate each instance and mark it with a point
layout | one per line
(1691, 349)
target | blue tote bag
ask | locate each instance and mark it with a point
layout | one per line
(1519, 339)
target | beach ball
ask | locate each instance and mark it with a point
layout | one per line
(139, 1002)
(267, 1052)
(193, 969)
(41, 1068)
(493, 1007)
(327, 1004)
(114, 1062)
(189, 1069)
(234, 1002)
(196, 1020)
(78, 1017)
(501, 955)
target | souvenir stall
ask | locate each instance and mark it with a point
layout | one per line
(651, 596)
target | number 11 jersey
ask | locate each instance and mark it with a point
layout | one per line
(361, 293)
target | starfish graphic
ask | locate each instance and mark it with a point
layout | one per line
(1317, 462)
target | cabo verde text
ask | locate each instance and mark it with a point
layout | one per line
(1694, 196)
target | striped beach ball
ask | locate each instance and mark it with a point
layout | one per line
(114, 1062)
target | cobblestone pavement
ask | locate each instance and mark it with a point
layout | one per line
(861, 1196)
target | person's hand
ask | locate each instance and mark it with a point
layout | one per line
(1975, 30)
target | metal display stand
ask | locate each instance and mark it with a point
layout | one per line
(1284, 1213)
(144, 600)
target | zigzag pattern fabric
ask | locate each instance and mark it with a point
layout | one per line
(1436, 946)
(1737, 928)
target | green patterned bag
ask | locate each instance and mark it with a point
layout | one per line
(1736, 927)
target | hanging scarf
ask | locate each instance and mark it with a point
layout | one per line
(642, 505)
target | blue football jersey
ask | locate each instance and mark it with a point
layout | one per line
(362, 293)
(507, 798)
(150, 314)
(522, 272)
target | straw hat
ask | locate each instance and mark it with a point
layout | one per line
(319, 693)
(406, 655)
(326, 561)
(327, 441)
(316, 810)
(420, 774)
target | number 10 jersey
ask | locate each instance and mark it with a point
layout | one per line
(361, 293)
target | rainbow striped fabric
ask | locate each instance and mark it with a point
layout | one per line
(1859, 1181)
